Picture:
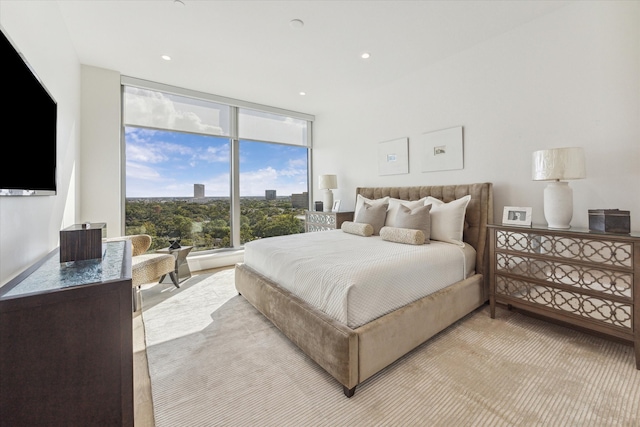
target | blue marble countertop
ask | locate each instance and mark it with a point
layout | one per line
(53, 275)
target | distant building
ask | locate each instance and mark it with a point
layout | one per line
(300, 200)
(198, 191)
(270, 194)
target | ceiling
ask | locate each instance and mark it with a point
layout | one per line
(249, 50)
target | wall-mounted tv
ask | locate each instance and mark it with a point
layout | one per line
(29, 124)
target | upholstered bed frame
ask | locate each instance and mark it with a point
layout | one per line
(353, 355)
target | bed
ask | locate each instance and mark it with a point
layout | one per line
(347, 345)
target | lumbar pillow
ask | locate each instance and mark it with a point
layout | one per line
(361, 199)
(447, 219)
(373, 214)
(351, 227)
(416, 219)
(394, 205)
(402, 235)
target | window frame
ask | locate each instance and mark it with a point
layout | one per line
(235, 105)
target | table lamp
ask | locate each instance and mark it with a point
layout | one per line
(557, 165)
(327, 183)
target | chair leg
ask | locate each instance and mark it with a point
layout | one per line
(134, 294)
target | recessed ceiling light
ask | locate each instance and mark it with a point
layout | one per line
(303, 93)
(365, 55)
(296, 23)
(166, 57)
(178, 3)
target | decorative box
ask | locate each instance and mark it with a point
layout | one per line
(609, 220)
(82, 241)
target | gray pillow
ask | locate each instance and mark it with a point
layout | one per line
(373, 214)
(415, 219)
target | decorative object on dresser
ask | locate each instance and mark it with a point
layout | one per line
(82, 241)
(66, 352)
(320, 221)
(336, 206)
(576, 277)
(327, 183)
(516, 215)
(610, 220)
(558, 165)
(318, 206)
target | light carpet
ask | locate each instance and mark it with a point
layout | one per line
(216, 361)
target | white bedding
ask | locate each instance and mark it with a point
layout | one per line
(357, 279)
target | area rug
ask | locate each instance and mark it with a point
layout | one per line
(216, 361)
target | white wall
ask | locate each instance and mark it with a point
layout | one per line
(101, 190)
(571, 78)
(29, 226)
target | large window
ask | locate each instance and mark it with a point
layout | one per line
(190, 176)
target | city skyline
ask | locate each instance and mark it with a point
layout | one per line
(168, 164)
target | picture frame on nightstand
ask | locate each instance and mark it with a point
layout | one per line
(336, 206)
(517, 215)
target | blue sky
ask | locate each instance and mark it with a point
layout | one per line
(167, 164)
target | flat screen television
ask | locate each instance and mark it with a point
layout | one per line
(29, 123)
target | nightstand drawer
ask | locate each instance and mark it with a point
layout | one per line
(580, 276)
(601, 251)
(573, 303)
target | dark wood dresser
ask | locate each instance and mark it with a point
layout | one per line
(66, 349)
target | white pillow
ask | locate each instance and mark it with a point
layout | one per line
(394, 205)
(361, 199)
(447, 219)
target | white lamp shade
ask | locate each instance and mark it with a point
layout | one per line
(328, 182)
(558, 164)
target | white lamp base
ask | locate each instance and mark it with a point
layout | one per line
(558, 204)
(327, 200)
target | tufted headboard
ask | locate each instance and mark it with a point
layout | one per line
(479, 210)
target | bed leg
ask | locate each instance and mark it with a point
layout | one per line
(348, 392)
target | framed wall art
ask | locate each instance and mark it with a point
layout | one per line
(393, 157)
(442, 150)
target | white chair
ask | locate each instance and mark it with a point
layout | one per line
(147, 267)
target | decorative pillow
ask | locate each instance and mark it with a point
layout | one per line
(416, 219)
(402, 235)
(447, 219)
(373, 214)
(361, 199)
(394, 205)
(350, 227)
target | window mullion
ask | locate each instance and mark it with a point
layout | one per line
(235, 179)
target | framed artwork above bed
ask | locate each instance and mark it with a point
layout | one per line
(442, 150)
(393, 157)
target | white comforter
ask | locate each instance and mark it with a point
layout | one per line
(356, 279)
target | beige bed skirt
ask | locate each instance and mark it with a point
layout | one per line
(353, 355)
